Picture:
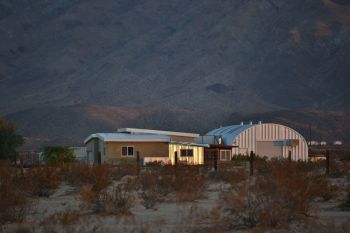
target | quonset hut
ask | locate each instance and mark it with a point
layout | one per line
(270, 140)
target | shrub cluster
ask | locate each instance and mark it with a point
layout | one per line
(275, 198)
(187, 182)
(13, 201)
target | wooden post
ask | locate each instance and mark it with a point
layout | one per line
(175, 159)
(327, 162)
(21, 161)
(99, 158)
(289, 156)
(251, 163)
(216, 160)
(138, 162)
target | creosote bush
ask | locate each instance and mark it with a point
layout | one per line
(276, 197)
(116, 200)
(99, 176)
(229, 175)
(65, 217)
(187, 182)
(42, 181)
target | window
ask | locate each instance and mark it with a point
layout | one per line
(225, 155)
(186, 152)
(127, 151)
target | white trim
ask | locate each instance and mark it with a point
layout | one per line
(188, 144)
(230, 155)
(161, 132)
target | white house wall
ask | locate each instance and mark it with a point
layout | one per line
(247, 140)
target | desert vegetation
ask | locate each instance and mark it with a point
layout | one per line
(281, 196)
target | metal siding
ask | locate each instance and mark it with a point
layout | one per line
(247, 137)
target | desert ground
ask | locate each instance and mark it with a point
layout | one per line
(280, 196)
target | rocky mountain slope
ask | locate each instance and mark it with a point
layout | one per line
(185, 65)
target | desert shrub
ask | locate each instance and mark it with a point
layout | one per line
(65, 217)
(125, 168)
(117, 200)
(325, 226)
(13, 201)
(42, 181)
(229, 175)
(346, 203)
(149, 182)
(99, 176)
(187, 182)
(150, 197)
(276, 198)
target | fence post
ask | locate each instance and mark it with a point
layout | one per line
(327, 162)
(138, 162)
(251, 163)
(216, 160)
(175, 159)
(289, 156)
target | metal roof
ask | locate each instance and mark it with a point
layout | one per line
(229, 133)
(189, 144)
(125, 137)
(158, 132)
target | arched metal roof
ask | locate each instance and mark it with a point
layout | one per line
(229, 133)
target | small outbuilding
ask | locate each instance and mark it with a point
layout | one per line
(268, 139)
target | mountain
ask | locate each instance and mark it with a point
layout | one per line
(72, 67)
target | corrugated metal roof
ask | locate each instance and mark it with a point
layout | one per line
(125, 137)
(189, 144)
(229, 133)
(158, 132)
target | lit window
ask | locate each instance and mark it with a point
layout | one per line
(127, 151)
(186, 152)
(225, 155)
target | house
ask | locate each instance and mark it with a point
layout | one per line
(148, 145)
(268, 139)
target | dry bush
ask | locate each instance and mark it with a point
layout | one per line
(149, 182)
(187, 182)
(229, 175)
(65, 217)
(117, 200)
(328, 226)
(41, 181)
(13, 201)
(99, 176)
(125, 168)
(276, 198)
(150, 198)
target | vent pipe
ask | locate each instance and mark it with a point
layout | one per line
(251, 123)
(242, 123)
